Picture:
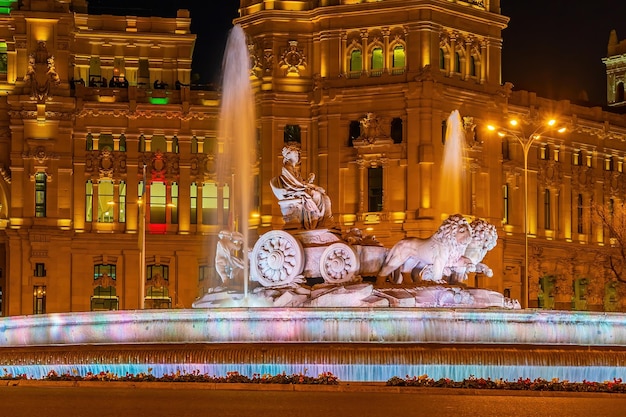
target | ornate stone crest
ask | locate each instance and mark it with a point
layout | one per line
(293, 60)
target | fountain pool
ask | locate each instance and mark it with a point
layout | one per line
(354, 344)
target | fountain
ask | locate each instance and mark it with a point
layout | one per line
(452, 169)
(417, 318)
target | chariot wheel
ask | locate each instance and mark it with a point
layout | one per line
(277, 259)
(339, 263)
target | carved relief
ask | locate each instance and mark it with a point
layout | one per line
(41, 74)
(550, 175)
(105, 163)
(582, 179)
(374, 130)
(293, 60)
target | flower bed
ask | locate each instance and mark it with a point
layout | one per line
(527, 384)
(325, 378)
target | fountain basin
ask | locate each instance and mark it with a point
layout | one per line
(354, 344)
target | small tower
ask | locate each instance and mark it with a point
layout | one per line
(615, 71)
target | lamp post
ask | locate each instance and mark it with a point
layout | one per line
(526, 141)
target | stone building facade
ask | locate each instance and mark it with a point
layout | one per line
(93, 108)
(328, 68)
(97, 117)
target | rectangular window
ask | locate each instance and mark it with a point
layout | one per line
(505, 209)
(204, 272)
(40, 270)
(89, 201)
(39, 299)
(122, 206)
(94, 69)
(193, 196)
(3, 58)
(505, 149)
(158, 203)
(174, 205)
(104, 299)
(119, 68)
(577, 158)
(398, 57)
(375, 189)
(546, 212)
(106, 202)
(226, 202)
(579, 212)
(292, 134)
(40, 194)
(356, 61)
(209, 203)
(105, 142)
(143, 73)
(101, 270)
(209, 145)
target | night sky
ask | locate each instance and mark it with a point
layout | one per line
(552, 47)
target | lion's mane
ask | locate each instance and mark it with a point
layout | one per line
(442, 250)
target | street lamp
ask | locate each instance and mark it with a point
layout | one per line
(517, 130)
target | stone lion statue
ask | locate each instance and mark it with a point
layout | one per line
(484, 238)
(433, 256)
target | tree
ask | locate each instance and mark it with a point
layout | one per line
(612, 217)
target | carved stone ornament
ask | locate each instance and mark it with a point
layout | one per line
(293, 60)
(374, 130)
(41, 74)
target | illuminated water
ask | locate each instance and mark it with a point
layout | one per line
(353, 344)
(236, 136)
(452, 169)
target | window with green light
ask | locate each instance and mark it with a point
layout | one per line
(356, 60)
(3, 57)
(6, 6)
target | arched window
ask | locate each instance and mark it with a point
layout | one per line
(377, 62)
(472, 69)
(442, 59)
(398, 60)
(457, 62)
(356, 62)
